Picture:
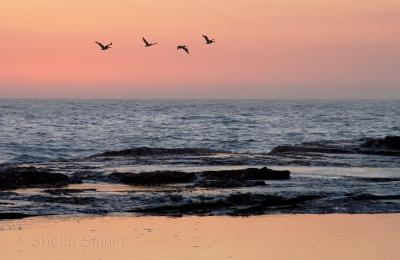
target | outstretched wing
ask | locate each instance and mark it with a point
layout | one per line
(145, 41)
(206, 38)
(186, 49)
(109, 44)
(101, 45)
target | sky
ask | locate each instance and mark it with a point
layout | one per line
(267, 49)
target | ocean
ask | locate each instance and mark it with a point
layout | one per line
(198, 157)
(46, 130)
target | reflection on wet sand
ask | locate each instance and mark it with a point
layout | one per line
(267, 237)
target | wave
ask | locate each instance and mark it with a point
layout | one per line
(150, 151)
(200, 181)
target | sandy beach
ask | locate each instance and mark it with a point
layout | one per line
(265, 237)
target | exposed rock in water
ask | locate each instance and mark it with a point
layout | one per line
(388, 143)
(245, 174)
(217, 179)
(300, 149)
(154, 178)
(31, 177)
(192, 208)
(147, 151)
(12, 215)
(234, 204)
(82, 176)
(258, 204)
(389, 146)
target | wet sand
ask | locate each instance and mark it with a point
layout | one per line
(265, 237)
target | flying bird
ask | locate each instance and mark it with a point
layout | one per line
(208, 40)
(148, 44)
(183, 47)
(104, 47)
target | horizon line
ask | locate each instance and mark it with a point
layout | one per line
(190, 99)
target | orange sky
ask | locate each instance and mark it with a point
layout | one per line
(264, 49)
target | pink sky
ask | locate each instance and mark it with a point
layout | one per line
(264, 49)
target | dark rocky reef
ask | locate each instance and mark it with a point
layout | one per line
(31, 177)
(147, 151)
(259, 204)
(210, 179)
(389, 146)
(154, 178)
(387, 143)
(306, 148)
(239, 204)
(12, 215)
(245, 174)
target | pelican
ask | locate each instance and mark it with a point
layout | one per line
(148, 44)
(104, 47)
(208, 40)
(183, 47)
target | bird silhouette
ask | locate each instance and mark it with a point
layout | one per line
(148, 44)
(183, 47)
(104, 47)
(208, 40)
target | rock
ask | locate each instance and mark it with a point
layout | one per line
(260, 203)
(154, 178)
(82, 176)
(191, 208)
(234, 204)
(387, 143)
(30, 177)
(302, 149)
(245, 174)
(224, 178)
(11, 215)
(389, 146)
